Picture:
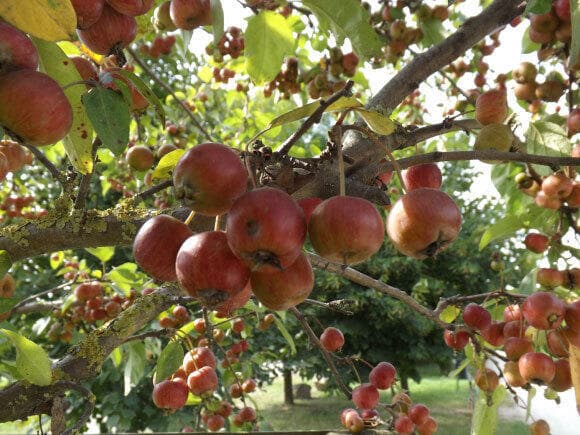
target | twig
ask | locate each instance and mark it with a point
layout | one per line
(332, 305)
(170, 91)
(315, 117)
(324, 352)
(43, 293)
(154, 189)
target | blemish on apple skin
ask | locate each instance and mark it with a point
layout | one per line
(65, 62)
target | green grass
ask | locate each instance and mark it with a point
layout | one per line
(448, 399)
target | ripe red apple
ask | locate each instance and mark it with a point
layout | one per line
(423, 222)
(140, 158)
(525, 91)
(85, 67)
(456, 340)
(131, 7)
(88, 12)
(34, 107)
(225, 409)
(573, 200)
(573, 122)
(544, 201)
(562, 380)
(16, 155)
(346, 229)
(111, 30)
(353, 421)
(572, 316)
(286, 288)
(169, 395)
(419, 414)
(537, 366)
(383, 375)
(491, 107)
(404, 425)
(200, 265)
(551, 278)
(215, 423)
(3, 166)
(88, 290)
(543, 310)
(189, 14)
(562, 9)
(308, 205)
(16, 50)
(537, 243)
(424, 175)
(332, 339)
(511, 373)
(209, 177)
(557, 185)
(180, 313)
(249, 385)
(247, 413)
(539, 427)
(427, 428)
(202, 380)
(512, 312)
(385, 178)
(476, 317)
(343, 414)
(233, 302)
(197, 358)
(486, 379)
(493, 334)
(156, 246)
(515, 347)
(365, 396)
(266, 229)
(557, 343)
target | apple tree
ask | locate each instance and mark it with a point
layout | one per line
(173, 171)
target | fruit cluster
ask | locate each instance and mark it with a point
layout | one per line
(554, 25)
(161, 46)
(552, 278)
(231, 43)
(223, 75)
(529, 90)
(553, 191)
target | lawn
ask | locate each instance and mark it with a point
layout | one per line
(448, 399)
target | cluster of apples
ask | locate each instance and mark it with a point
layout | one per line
(182, 14)
(231, 43)
(33, 107)
(554, 191)
(528, 89)
(328, 77)
(552, 26)
(161, 46)
(525, 361)
(491, 111)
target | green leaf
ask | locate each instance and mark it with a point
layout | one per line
(166, 164)
(104, 253)
(549, 139)
(78, 142)
(109, 114)
(485, 416)
(5, 262)
(528, 284)
(285, 334)
(146, 92)
(575, 45)
(169, 360)
(449, 314)
(348, 19)
(135, 366)
(217, 16)
(6, 367)
(432, 29)
(117, 357)
(124, 276)
(538, 7)
(529, 46)
(377, 122)
(32, 362)
(268, 39)
(501, 229)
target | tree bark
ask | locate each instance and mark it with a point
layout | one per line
(288, 391)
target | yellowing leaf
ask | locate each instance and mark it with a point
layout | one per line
(449, 314)
(53, 20)
(166, 165)
(378, 123)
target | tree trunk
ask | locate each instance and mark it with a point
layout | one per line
(288, 392)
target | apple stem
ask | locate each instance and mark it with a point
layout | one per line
(189, 218)
(218, 222)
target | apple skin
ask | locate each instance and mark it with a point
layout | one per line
(209, 177)
(346, 229)
(266, 229)
(308, 205)
(539, 427)
(424, 175)
(498, 137)
(487, 380)
(543, 310)
(491, 107)
(3, 166)
(197, 358)
(476, 317)
(419, 413)
(156, 246)
(562, 380)
(404, 425)
(537, 243)
(562, 10)
(423, 222)
(537, 366)
(512, 312)
(110, 30)
(544, 201)
(427, 428)
(16, 50)
(493, 334)
(515, 347)
(7, 286)
(16, 155)
(226, 308)
(189, 14)
(85, 68)
(515, 328)
(573, 200)
(456, 340)
(557, 343)
(34, 107)
(383, 375)
(557, 186)
(573, 122)
(202, 381)
(140, 158)
(551, 278)
(170, 395)
(511, 373)
(332, 339)
(572, 316)
(283, 289)
(88, 12)
(131, 7)
(200, 265)
(365, 396)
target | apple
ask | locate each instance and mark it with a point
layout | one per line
(162, 19)
(88, 12)
(498, 137)
(365, 396)
(476, 317)
(515, 347)
(16, 155)
(225, 409)
(308, 205)
(539, 427)
(189, 14)
(16, 50)
(456, 340)
(266, 229)
(525, 91)
(85, 67)
(511, 373)
(131, 7)
(573, 200)
(209, 177)
(548, 277)
(557, 343)
(515, 328)
(401, 402)
(140, 158)
(34, 107)
(283, 289)
(3, 166)
(419, 414)
(249, 385)
(346, 229)
(332, 339)
(247, 413)
(512, 312)
(572, 315)
(491, 107)
(525, 72)
(424, 175)
(7, 286)
(550, 90)
(200, 265)
(573, 122)
(344, 413)
(383, 375)
(537, 243)
(427, 428)
(543, 310)
(404, 425)
(562, 10)
(493, 334)
(164, 149)
(233, 302)
(112, 30)
(197, 358)
(202, 381)
(557, 185)
(544, 201)
(537, 366)
(544, 23)
(423, 222)
(562, 380)
(169, 395)
(180, 314)
(88, 290)
(215, 423)
(486, 379)
(353, 422)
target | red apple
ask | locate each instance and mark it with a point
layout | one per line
(189, 14)
(215, 423)
(353, 422)
(332, 339)
(209, 177)
(539, 427)
(486, 379)
(543, 310)
(286, 288)
(562, 380)
(424, 175)
(197, 358)
(512, 312)
(233, 302)
(537, 243)
(573, 200)
(88, 290)
(562, 9)
(131, 7)
(419, 414)
(346, 229)
(344, 413)
(404, 425)
(557, 343)
(3, 166)
(572, 315)
(16, 155)
(511, 373)
(85, 67)
(169, 395)
(308, 205)
(7, 286)
(88, 12)
(427, 428)
(544, 201)
(266, 229)
(383, 375)
(423, 222)
(537, 366)
(573, 122)
(247, 413)
(557, 185)
(200, 265)
(515, 328)
(140, 158)
(515, 347)
(544, 23)
(111, 30)
(365, 396)
(456, 340)
(493, 334)
(550, 278)
(491, 107)
(156, 246)
(202, 380)
(476, 317)
(34, 107)
(16, 50)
